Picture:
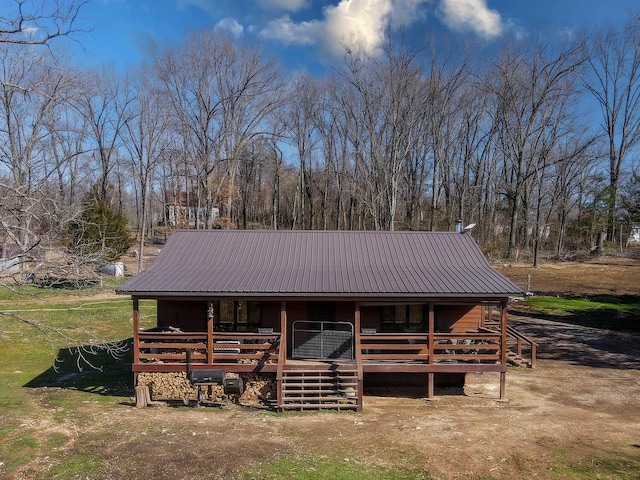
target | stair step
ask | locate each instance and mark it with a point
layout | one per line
(322, 398)
(316, 389)
(311, 406)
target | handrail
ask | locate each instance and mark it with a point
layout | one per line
(515, 333)
(477, 347)
(519, 337)
(171, 346)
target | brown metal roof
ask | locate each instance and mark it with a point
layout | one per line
(314, 263)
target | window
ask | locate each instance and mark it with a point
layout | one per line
(237, 316)
(404, 318)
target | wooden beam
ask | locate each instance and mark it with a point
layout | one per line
(435, 368)
(210, 333)
(358, 355)
(283, 328)
(136, 330)
(282, 357)
(431, 330)
(503, 345)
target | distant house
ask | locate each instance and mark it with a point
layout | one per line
(183, 210)
(312, 319)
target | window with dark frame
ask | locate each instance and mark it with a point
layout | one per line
(404, 318)
(237, 316)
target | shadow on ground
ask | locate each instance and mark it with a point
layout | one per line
(580, 339)
(102, 373)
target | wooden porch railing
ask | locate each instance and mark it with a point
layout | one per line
(207, 348)
(476, 347)
(238, 347)
(417, 347)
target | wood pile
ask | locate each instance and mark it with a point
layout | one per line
(175, 386)
(168, 385)
(260, 388)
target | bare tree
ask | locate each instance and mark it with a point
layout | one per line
(299, 119)
(40, 143)
(27, 213)
(103, 103)
(531, 91)
(386, 106)
(221, 94)
(147, 140)
(614, 60)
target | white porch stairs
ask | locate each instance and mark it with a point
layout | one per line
(317, 389)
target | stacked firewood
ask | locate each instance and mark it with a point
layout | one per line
(168, 386)
(260, 388)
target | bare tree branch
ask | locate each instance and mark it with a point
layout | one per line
(31, 22)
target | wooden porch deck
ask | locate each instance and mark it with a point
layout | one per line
(165, 351)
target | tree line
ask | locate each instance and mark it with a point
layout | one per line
(533, 140)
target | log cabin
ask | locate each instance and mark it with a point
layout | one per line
(313, 319)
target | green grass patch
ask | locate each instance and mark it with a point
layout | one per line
(599, 468)
(571, 305)
(322, 467)
(77, 466)
(621, 313)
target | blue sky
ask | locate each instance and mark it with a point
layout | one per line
(304, 33)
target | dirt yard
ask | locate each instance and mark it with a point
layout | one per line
(576, 415)
(601, 275)
(578, 407)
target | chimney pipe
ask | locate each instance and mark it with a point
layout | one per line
(459, 226)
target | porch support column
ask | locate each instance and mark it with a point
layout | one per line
(210, 333)
(503, 347)
(430, 350)
(282, 355)
(136, 330)
(283, 330)
(358, 354)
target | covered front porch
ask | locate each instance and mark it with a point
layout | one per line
(329, 345)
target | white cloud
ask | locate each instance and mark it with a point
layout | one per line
(231, 25)
(286, 5)
(355, 23)
(291, 33)
(30, 30)
(472, 15)
(358, 23)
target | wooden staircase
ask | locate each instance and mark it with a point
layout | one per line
(310, 389)
(518, 360)
(520, 340)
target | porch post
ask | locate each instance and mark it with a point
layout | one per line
(136, 330)
(282, 354)
(358, 354)
(210, 333)
(283, 330)
(503, 347)
(430, 350)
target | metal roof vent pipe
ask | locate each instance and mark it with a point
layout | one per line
(459, 226)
